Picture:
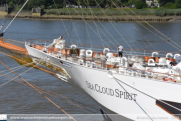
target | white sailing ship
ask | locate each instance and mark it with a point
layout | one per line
(129, 86)
(138, 84)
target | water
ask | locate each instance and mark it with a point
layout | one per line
(131, 35)
(16, 98)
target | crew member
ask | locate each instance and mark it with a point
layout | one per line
(120, 50)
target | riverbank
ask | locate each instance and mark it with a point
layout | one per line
(30, 15)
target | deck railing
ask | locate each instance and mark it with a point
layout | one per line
(102, 65)
(126, 51)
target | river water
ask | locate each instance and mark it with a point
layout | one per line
(16, 98)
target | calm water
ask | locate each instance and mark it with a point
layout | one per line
(131, 35)
(16, 98)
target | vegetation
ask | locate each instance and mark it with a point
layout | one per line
(49, 4)
(114, 12)
(167, 7)
(11, 4)
(171, 4)
(141, 5)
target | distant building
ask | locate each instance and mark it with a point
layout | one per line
(73, 6)
(152, 3)
(133, 6)
(156, 4)
(149, 3)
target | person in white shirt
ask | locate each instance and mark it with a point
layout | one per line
(120, 50)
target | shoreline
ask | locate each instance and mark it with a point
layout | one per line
(132, 18)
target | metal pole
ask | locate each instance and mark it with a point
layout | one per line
(144, 52)
(84, 37)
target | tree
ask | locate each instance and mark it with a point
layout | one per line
(178, 3)
(131, 2)
(11, 4)
(164, 2)
(141, 5)
(168, 5)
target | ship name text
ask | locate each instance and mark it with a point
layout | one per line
(111, 92)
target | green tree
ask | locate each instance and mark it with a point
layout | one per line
(141, 5)
(178, 3)
(131, 2)
(164, 2)
(168, 5)
(11, 4)
(173, 6)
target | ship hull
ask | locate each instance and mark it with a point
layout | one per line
(136, 97)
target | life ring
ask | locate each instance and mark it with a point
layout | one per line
(81, 62)
(151, 64)
(176, 55)
(154, 53)
(89, 53)
(104, 51)
(126, 61)
(59, 46)
(169, 54)
(73, 46)
(88, 63)
(165, 79)
(172, 80)
(82, 53)
(93, 65)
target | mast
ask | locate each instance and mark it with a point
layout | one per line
(84, 37)
(84, 33)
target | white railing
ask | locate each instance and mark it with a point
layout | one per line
(121, 70)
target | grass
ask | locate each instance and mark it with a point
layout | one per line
(114, 11)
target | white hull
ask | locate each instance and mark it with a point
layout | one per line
(110, 94)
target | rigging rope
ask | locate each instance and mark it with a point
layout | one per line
(46, 91)
(38, 91)
(8, 16)
(121, 30)
(59, 14)
(134, 100)
(114, 27)
(14, 18)
(11, 71)
(70, 32)
(164, 40)
(89, 36)
(91, 27)
(93, 15)
(99, 35)
(71, 26)
(84, 20)
(51, 91)
(133, 24)
(15, 77)
(21, 66)
(117, 31)
(156, 30)
(146, 93)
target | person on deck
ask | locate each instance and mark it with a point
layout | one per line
(120, 50)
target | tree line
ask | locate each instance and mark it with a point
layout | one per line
(170, 3)
(49, 4)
